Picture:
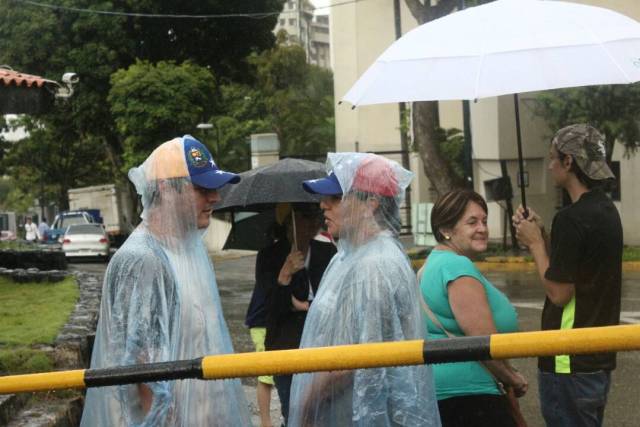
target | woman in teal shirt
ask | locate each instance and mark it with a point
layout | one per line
(465, 303)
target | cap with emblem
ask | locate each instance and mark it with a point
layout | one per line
(586, 145)
(190, 159)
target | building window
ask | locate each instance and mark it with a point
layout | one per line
(282, 22)
(292, 21)
(290, 4)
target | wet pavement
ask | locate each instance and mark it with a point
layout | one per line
(235, 281)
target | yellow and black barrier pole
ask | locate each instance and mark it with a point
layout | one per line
(357, 356)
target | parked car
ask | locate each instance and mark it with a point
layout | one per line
(86, 240)
(109, 204)
(64, 220)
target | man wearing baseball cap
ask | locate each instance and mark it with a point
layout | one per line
(160, 300)
(367, 294)
(581, 274)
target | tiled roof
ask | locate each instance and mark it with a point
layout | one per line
(14, 78)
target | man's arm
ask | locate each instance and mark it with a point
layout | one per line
(530, 235)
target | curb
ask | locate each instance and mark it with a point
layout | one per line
(523, 266)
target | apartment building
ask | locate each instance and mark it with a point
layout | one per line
(308, 28)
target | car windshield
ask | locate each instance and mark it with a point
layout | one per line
(71, 220)
(85, 229)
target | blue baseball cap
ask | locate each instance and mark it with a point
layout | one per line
(327, 186)
(203, 171)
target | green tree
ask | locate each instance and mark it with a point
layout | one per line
(289, 97)
(298, 98)
(613, 109)
(12, 198)
(152, 103)
(52, 159)
(219, 44)
(241, 113)
(48, 42)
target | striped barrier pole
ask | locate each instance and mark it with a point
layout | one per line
(357, 356)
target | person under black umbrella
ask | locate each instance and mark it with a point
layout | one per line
(288, 274)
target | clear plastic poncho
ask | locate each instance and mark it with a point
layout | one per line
(369, 293)
(160, 302)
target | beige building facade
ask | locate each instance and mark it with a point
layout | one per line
(361, 31)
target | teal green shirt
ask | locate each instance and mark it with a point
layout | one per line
(465, 378)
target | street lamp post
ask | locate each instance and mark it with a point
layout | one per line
(205, 127)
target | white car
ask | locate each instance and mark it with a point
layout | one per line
(86, 240)
(64, 220)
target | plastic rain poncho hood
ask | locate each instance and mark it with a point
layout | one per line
(369, 293)
(160, 302)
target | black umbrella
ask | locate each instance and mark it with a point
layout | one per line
(280, 182)
(258, 191)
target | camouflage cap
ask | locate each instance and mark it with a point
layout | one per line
(586, 145)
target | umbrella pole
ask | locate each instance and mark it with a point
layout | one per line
(520, 160)
(293, 224)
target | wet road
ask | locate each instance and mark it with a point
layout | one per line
(235, 281)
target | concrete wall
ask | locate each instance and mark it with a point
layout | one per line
(629, 205)
(362, 31)
(217, 233)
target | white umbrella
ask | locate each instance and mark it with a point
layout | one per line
(504, 47)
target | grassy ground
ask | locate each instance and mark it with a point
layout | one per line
(32, 313)
(23, 360)
(16, 245)
(631, 254)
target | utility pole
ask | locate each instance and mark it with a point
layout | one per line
(402, 112)
(467, 150)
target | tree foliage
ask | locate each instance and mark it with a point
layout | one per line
(49, 42)
(298, 99)
(144, 81)
(152, 103)
(242, 113)
(51, 160)
(219, 44)
(289, 98)
(613, 109)
(13, 198)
